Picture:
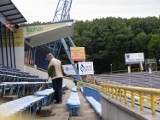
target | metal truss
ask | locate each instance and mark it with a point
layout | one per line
(62, 11)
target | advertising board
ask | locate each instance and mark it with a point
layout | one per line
(85, 68)
(134, 58)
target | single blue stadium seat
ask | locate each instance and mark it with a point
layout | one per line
(73, 104)
(48, 94)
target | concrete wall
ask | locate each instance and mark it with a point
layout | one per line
(115, 110)
(34, 71)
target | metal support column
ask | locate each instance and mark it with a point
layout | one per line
(13, 50)
(5, 39)
(9, 34)
(71, 42)
(1, 45)
(57, 48)
(69, 56)
(34, 55)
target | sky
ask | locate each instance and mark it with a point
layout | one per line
(44, 10)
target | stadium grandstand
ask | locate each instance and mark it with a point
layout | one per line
(26, 93)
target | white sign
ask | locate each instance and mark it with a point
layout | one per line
(85, 68)
(134, 58)
(69, 70)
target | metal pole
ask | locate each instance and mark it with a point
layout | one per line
(129, 78)
(5, 37)
(10, 48)
(34, 57)
(111, 68)
(1, 45)
(150, 79)
(71, 42)
(69, 56)
(13, 50)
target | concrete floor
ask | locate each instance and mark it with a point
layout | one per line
(61, 112)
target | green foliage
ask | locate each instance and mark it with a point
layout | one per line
(154, 46)
(106, 40)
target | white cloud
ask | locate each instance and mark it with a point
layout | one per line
(43, 10)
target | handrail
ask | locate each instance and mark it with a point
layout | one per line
(122, 91)
(89, 84)
(138, 89)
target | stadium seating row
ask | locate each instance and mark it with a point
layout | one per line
(26, 106)
(12, 78)
(15, 75)
(15, 82)
(22, 88)
(73, 103)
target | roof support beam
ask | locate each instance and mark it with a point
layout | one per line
(10, 14)
(7, 10)
(16, 18)
(3, 5)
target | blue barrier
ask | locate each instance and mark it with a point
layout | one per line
(95, 104)
(73, 104)
(93, 92)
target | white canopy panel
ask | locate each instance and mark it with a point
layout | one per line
(42, 34)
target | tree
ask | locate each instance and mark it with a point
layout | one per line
(154, 46)
(106, 40)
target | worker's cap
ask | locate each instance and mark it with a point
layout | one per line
(49, 54)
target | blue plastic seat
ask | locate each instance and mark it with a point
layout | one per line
(73, 103)
(9, 109)
(48, 94)
(45, 92)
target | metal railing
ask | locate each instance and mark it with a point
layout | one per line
(138, 93)
(144, 97)
(140, 79)
(89, 84)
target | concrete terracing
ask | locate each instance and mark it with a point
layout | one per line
(115, 110)
(61, 111)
